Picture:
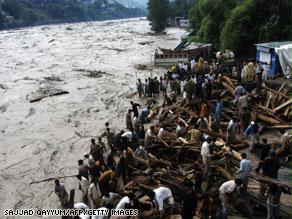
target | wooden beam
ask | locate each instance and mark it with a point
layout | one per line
(268, 119)
(276, 92)
(282, 106)
(280, 126)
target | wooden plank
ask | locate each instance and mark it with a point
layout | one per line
(268, 119)
(268, 180)
(280, 126)
(162, 141)
(268, 99)
(225, 173)
(276, 92)
(282, 106)
(228, 87)
(264, 108)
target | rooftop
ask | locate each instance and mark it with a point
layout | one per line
(274, 44)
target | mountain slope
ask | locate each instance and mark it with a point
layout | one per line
(18, 13)
(133, 4)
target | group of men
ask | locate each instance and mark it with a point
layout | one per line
(103, 171)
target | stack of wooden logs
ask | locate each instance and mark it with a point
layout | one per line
(274, 110)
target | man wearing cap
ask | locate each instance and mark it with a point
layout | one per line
(253, 131)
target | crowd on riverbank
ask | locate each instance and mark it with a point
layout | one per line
(104, 172)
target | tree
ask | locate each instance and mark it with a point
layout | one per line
(12, 7)
(158, 14)
(207, 18)
(239, 28)
(1, 20)
(238, 24)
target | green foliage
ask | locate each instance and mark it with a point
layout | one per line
(179, 8)
(207, 18)
(236, 24)
(158, 11)
(13, 7)
(1, 20)
(239, 28)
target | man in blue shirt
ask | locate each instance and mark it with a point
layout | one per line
(253, 131)
(245, 168)
(218, 111)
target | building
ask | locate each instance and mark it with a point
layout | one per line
(184, 52)
(266, 53)
(178, 22)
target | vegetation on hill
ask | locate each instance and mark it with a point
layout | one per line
(17, 13)
(236, 24)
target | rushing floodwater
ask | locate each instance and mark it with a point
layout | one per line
(38, 140)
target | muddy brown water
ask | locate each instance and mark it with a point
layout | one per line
(38, 140)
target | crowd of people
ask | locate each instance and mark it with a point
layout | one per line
(103, 171)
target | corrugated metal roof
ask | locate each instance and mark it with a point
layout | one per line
(274, 44)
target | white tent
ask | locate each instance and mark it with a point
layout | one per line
(284, 54)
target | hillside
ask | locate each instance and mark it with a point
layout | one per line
(133, 4)
(238, 24)
(19, 13)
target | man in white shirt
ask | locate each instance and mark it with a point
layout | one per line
(84, 185)
(127, 135)
(149, 136)
(163, 197)
(94, 195)
(205, 153)
(193, 63)
(126, 201)
(226, 189)
(203, 123)
(231, 131)
(82, 206)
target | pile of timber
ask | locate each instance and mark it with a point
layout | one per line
(171, 163)
(273, 107)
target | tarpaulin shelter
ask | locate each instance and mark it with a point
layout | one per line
(284, 55)
(267, 53)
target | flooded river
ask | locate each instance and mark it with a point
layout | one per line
(46, 138)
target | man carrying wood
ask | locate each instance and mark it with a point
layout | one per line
(163, 198)
(226, 189)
